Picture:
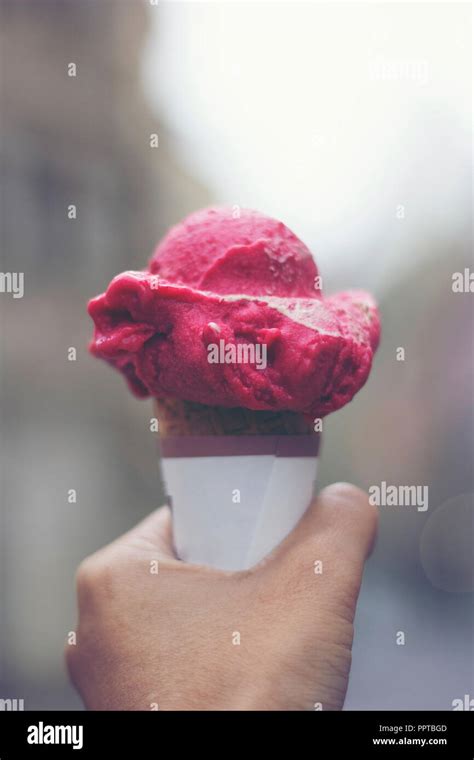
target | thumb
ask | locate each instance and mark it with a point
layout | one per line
(326, 552)
(153, 533)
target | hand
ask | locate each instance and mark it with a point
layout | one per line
(171, 640)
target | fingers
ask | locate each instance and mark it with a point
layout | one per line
(154, 532)
(330, 543)
(125, 560)
(343, 516)
(151, 536)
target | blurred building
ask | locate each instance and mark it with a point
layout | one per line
(79, 140)
(82, 140)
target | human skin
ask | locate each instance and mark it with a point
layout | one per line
(188, 637)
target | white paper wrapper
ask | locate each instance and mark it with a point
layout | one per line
(230, 511)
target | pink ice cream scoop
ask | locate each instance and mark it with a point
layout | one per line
(230, 313)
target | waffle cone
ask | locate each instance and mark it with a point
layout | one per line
(180, 418)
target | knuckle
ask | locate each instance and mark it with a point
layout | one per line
(95, 576)
(87, 574)
(84, 573)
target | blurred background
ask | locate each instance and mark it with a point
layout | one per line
(349, 121)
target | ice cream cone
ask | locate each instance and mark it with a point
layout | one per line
(178, 418)
(230, 308)
(238, 480)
